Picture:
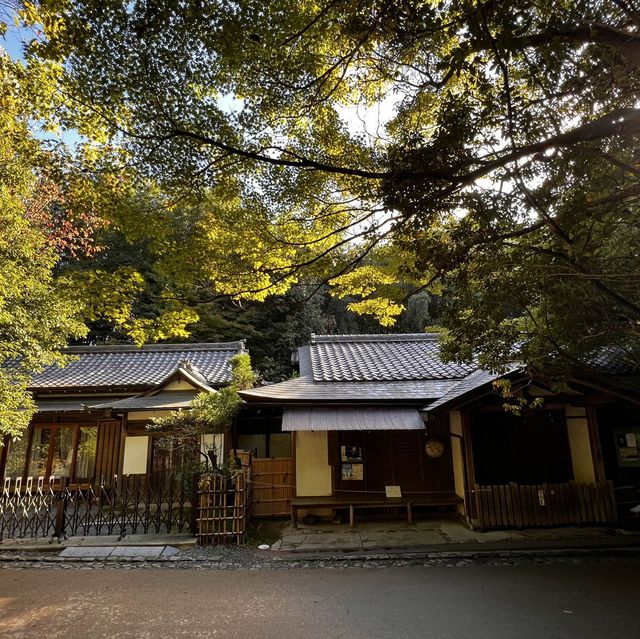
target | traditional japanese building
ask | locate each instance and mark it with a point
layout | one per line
(92, 414)
(380, 422)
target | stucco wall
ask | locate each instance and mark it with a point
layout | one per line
(313, 472)
(215, 440)
(178, 385)
(457, 456)
(136, 451)
(580, 444)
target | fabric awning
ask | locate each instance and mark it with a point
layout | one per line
(351, 418)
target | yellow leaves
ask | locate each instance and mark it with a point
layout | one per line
(169, 325)
(362, 281)
(105, 295)
(368, 282)
(29, 13)
(110, 296)
(385, 311)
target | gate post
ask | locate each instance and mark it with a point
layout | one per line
(194, 503)
(61, 511)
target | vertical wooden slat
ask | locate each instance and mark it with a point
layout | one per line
(108, 450)
(272, 486)
(516, 505)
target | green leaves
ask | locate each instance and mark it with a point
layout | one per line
(469, 148)
(209, 412)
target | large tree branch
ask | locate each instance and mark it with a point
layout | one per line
(623, 41)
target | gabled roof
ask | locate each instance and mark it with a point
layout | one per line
(381, 358)
(366, 369)
(187, 372)
(139, 367)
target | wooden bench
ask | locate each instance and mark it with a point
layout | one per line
(366, 502)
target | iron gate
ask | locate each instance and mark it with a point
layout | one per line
(128, 505)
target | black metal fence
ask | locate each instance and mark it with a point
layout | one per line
(40, 507)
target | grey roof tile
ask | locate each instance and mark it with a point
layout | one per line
(169, 400)
(123, 366)
(75, 405)
(304, 389)
(475, 380)
(351, 358)
(614, 361)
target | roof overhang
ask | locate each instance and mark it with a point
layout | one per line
(350, 418)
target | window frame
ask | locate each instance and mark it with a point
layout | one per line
(55, 428)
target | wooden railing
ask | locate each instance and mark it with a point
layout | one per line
(525, 506)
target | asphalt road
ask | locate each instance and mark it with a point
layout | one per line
(589, 600)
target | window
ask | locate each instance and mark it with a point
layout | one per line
(86, 457)
(39, 457)
(61, 450)
(62, 453)
(16, 456)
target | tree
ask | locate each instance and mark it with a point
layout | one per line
(208, 413)
(506, 171)
(51, 221)
(36, 317)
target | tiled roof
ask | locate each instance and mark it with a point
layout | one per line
(170, 400)
(65, 405)
(305, 390)
(377, 369)
(367, 368)
(472, 382)
(614, 361)
(381, 358)
(147, 366)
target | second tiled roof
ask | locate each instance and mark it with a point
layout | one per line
(381, 358)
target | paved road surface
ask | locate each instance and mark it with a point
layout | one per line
(589, 600)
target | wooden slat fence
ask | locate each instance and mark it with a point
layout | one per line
(223, 509)
(529, 506)
(272, 486)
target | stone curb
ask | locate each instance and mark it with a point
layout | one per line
(108, 560)
(58, 547)
(469, 555)
(463, 554)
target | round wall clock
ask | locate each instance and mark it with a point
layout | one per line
(434, 448)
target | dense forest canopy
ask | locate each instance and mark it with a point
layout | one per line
(482, 152)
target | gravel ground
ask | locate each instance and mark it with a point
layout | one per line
(243, 558)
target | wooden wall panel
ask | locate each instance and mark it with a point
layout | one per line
(271, 486)
(108, 450)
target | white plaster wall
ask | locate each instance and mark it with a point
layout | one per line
(136, 451)
(580, 444)
(457, 456)
(313, 472)
(213, 439)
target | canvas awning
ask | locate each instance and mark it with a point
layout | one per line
(351, 418)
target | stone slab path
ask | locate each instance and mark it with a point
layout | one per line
(104, 552)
